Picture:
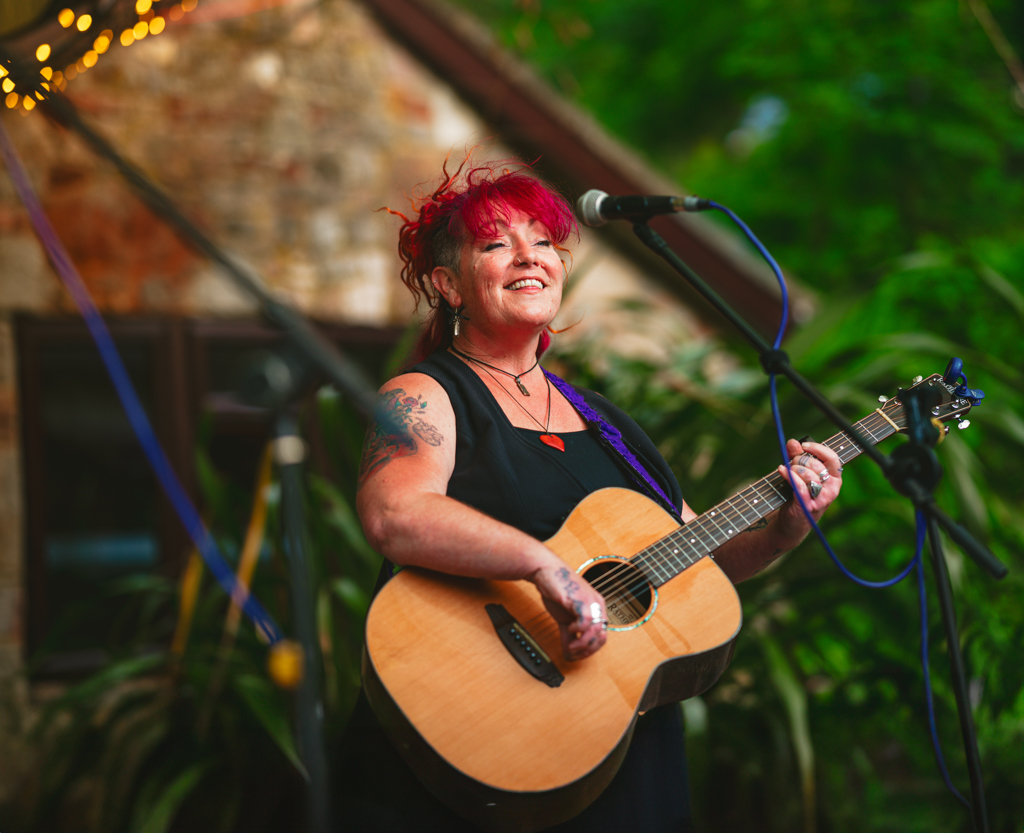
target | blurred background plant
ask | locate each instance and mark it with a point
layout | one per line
(184, 729)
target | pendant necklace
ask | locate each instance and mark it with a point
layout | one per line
(549, 439)
(518, 379)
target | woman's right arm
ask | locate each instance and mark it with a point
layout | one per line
(408, 518)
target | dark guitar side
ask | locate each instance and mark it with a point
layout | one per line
(500, 747)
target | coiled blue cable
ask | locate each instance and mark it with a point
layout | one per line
(916, 561)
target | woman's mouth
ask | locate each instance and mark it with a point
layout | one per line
(526, 283)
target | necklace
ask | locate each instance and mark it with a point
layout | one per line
(549, 439)
(518, 379)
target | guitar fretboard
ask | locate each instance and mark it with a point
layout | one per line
(668, 557)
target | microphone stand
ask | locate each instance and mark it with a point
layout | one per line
(277, 383)
(912, 469)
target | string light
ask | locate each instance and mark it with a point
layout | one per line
(152, 21)
(8, 85)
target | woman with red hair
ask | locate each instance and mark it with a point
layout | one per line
(486, 454)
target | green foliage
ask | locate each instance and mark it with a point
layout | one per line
(877, 149)
(822, 712)
(155, 741)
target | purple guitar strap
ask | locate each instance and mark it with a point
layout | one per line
(613, 439)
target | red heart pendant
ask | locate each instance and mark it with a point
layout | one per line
(553, 440)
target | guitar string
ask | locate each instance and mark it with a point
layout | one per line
(701, 523)
(617, 579)
(549, 628)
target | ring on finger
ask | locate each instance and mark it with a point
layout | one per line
(815, 490)
(825, 477)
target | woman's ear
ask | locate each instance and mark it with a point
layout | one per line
(445, 283)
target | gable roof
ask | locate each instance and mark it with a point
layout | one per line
(577, 154)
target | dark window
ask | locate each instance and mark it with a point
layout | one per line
(95, 510)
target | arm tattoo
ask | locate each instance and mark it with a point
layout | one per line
(768, 561)
(571, 586)
(761, 524)
(396, 440)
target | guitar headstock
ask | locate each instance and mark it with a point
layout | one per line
(952, 401)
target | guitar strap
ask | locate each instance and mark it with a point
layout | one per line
(612, 438)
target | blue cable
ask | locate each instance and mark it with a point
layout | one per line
(916, 561)
(165, 473)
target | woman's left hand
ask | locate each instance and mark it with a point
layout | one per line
(817, 476)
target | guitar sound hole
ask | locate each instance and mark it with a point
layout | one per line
(627, 594)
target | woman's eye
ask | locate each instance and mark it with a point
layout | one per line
(490, 247)
(543, 242)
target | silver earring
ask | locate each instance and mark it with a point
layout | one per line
(457, 318)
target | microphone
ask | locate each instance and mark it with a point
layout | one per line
(595, 208)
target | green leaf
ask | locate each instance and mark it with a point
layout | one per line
(265, 703)
(158, 817)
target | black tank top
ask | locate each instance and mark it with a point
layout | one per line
(510, 475)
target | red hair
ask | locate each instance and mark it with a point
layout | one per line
(468, 206)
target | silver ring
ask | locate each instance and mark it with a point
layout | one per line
(825, 477)
(840, 471)
(597, 620)
(814, 489)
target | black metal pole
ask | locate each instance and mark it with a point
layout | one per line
(956, 662)
(289, 452)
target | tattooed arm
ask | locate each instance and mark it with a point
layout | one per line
(408, 517)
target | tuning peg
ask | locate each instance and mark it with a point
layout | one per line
(883, 399)
(963, 423)
(918, 379)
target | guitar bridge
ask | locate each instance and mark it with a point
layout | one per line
(523, 647)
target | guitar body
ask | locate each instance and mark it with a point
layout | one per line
(501, 747)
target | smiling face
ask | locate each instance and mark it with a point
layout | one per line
(511, 284)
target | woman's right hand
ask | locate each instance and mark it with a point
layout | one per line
(577, 608)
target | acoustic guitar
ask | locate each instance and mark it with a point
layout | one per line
(467, 676)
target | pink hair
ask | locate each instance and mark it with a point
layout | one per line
(468, 206)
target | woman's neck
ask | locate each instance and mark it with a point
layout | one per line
(514, 356)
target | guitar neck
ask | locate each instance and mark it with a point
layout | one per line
(667, 558)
